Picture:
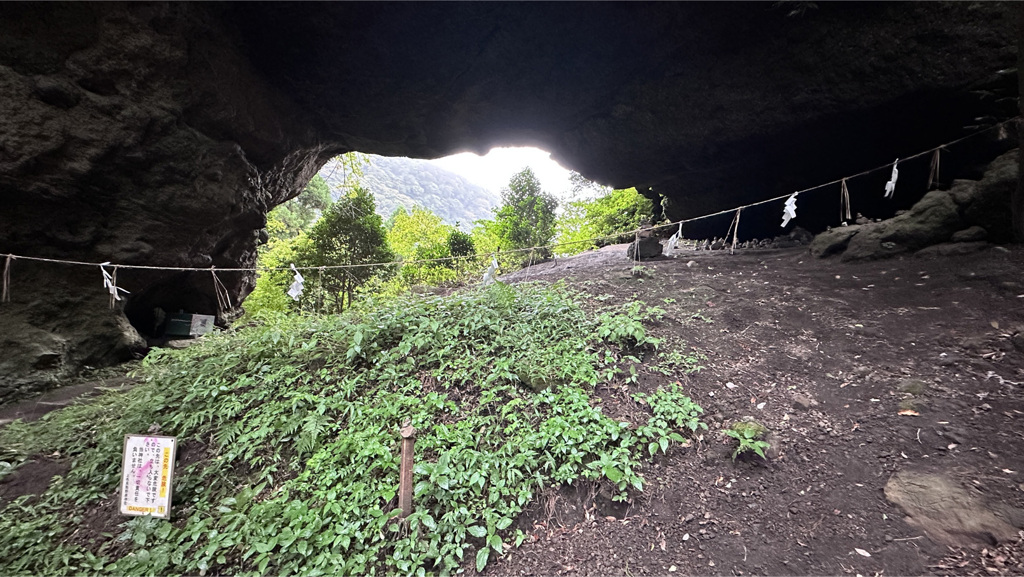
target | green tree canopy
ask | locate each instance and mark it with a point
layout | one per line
(422, 235)
(585, 220)
(299, 213)
(526, 217)
(419, 229)
(348, 233)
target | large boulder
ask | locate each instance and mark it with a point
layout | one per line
(943, 223)
(645, 247)
(833, 241)
(932, 220)
(986, 202)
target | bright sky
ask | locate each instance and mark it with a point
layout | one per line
(493, 170)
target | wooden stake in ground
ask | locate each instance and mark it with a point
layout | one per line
(844, 203)
(405, 474)
(735, 229)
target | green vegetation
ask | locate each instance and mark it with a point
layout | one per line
(270, 294)
(525, 219)
(749, 435)
(298, 214)
(421, 235)
(673, 411)
(289, 428)
(312, 231)
(349, 233)
(614, 211)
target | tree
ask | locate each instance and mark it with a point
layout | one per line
(299, 213)
(348, 233)
(526, 217)
(271, 285)
(582, 185)
(460, 244)
(421, 235)
(420, 228)
(586, 220)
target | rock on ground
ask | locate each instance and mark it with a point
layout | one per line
(950, 515)
(650, 247)
(942, 223)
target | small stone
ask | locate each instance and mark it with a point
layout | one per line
(912, 386)
(802, 402)
(793, 510)
(774, 446)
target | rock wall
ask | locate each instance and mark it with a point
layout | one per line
(945, 222)
(161, 133)
(132, 134)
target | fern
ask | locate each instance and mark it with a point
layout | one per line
(312, 428)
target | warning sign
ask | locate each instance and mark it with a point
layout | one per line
(146, 474)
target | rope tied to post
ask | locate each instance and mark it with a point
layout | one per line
(223, 298)
(5, 297)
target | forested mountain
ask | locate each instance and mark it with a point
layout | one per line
(408, 182)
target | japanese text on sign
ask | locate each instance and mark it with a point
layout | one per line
(146, 475)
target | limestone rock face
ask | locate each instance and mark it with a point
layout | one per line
(161, 133)
(932, 220)
(833, 241)
(943, 223)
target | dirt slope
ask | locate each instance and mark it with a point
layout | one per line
(826, 355)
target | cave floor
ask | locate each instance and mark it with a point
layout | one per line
(826, 355)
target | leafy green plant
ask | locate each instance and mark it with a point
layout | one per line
(625, 326)
(674, 361)
(640, 272)
(614, 211)
(672, 412)
(749, 435)
(291, 424)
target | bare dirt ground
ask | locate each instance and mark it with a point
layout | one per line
(826, 355)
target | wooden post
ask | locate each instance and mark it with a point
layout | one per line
(735, 232)
(405, 474)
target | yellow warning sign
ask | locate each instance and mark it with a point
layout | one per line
(147, 475)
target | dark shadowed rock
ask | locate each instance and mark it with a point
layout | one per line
(833, 241)
(971, 234)
(650, 247)
(935, 225)
(932, 220)
(986, 203)
(952, 249)
(57, 92)
(162, 133)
